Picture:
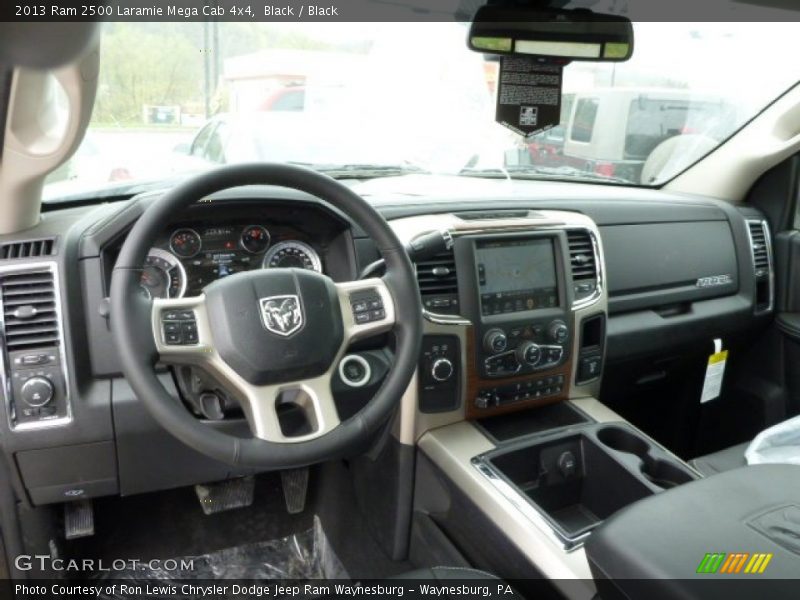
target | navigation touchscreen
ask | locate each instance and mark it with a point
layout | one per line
(515, 276)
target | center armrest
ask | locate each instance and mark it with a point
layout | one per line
(735, 533)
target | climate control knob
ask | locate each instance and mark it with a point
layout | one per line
(442, 369)
(37, 391)
(529, 353)
(558, 331)
(495, 341)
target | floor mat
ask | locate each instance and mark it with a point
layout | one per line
(167, 524)
(301, 556)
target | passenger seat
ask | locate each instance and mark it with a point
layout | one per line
(724, 460)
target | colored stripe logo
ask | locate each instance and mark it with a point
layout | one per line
(734, 563)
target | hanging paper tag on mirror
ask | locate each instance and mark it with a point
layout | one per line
(528, 95)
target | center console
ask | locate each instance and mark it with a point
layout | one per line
(515, 290)
(579, 477)
(518, 302)
(518, 462)
(515, 312)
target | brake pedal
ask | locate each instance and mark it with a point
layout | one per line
(78, 519)
(295, 486)
(225, 495)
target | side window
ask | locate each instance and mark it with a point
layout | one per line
(585, 116)
(199, 143)
(215, 149)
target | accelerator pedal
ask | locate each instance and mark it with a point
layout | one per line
(78, 519)
(225, 495)
(295, 486)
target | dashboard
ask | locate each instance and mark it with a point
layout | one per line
(546, 292)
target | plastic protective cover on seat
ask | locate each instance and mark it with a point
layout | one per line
(778, 444)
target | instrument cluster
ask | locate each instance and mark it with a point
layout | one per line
(193, 257)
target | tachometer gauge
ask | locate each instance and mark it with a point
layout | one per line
(255, 239)
(299, 255)
(163, 275)
(185, 242)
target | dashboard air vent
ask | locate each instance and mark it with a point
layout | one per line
(438, 283)
(581, 255)
(29, 310)
(28, 249)
(762, 264)
(582, 262)
(758, 241)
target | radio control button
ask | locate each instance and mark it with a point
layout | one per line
(529, 353)
(495, 341)
(558, 332)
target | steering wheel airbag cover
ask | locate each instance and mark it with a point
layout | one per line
(234, 305)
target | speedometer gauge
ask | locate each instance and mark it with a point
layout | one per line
(163, 275)
(292, 254)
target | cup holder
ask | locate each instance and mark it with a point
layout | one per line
(665, 474)
(623, 440)
(662, 472)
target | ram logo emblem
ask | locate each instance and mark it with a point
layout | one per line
(282, 315)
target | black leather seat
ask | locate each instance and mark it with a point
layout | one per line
(659, 548)
(724, 460)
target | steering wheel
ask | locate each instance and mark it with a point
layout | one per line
(266, 332)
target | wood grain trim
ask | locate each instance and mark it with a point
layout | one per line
(475, 384)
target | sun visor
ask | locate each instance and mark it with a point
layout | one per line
(45, 45)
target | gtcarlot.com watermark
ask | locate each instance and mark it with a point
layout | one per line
(46, 562)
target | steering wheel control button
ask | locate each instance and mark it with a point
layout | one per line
(37, 391)
(367, 307)
(179, 327)
(355, 370)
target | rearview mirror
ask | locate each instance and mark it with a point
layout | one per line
(551, 33)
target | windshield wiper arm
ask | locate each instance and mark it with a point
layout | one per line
(362, 170)
(539, 172)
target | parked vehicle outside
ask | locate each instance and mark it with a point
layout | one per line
(612, 132)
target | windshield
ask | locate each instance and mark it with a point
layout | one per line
(357, 100)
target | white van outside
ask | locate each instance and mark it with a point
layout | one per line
(613, 131)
